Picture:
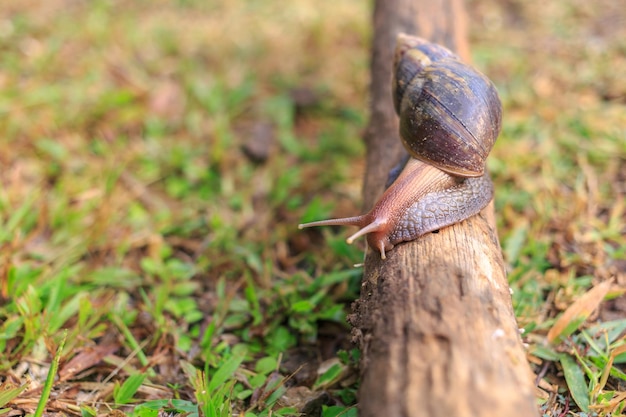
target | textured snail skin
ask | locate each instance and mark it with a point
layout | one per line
(443, 208)
(450, 117)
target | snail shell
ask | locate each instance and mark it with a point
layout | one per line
(450, 114)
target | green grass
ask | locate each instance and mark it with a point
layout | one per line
(149, 259)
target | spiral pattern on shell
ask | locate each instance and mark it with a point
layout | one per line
(450, 113)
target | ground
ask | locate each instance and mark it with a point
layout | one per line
(157, 155)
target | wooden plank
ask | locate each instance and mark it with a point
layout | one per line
(435, 320)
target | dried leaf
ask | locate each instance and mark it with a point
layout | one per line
(167, 100)
(578, 312)
(86, 359)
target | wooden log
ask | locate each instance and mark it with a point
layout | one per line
(435, 320)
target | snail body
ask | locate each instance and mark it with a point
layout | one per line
(450, 116)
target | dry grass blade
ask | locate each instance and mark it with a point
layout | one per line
(578, 312)
(607, 369)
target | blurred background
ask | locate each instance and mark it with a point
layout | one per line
(156, 157)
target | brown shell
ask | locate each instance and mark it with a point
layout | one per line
(450, 114)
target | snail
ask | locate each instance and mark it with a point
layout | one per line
(450, 116)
